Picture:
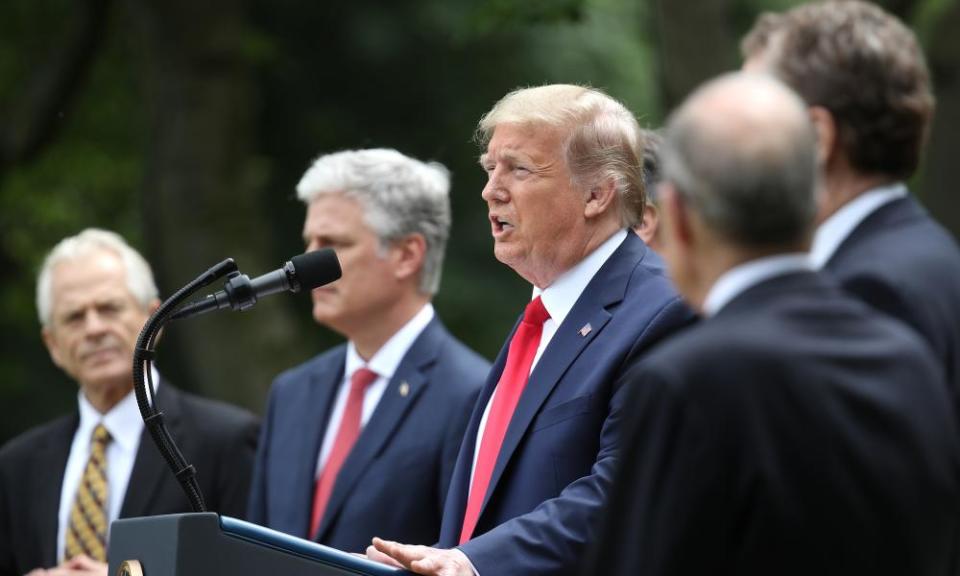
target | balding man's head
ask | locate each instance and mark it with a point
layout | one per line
(741, 153)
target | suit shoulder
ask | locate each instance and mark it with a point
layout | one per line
(898, 250)
(300, 375)
(463, 358)
(25, 445)
(215, 416)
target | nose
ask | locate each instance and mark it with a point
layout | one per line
(93, 323)
(494, 190)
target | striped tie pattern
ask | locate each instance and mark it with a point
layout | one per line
(87, 527)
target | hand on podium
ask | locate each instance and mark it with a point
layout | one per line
(421, 559)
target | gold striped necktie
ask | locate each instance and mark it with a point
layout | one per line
(87, 525)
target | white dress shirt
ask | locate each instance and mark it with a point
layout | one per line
(841, 223)
(384, 362)
(558, 298)
(739, 279)
(125, 426)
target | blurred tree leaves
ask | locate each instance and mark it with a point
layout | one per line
(195, 121)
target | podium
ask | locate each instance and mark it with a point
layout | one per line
(208, 544)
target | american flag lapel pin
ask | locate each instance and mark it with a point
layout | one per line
(587, 328)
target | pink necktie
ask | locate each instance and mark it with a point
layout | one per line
(523, 349)
(346, 437)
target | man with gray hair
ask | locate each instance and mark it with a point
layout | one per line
(563, 188)
(61, 484)
(795, 430)
(361, 440)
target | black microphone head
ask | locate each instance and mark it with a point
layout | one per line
(314, 269)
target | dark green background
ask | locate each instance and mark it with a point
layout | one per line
(185, 125)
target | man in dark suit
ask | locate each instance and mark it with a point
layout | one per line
(795, 430)
(564, 183)
(94, 294)
(863, 76)
(341, 464)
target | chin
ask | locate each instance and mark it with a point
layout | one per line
(121, 379)
(323, 314)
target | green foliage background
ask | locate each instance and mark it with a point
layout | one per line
(317, 77)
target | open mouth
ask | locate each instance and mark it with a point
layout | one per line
(500, 225)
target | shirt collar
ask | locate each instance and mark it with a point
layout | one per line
(841, 223)
(560, 296)
(124, 421)
(386, 360)
(738, 279)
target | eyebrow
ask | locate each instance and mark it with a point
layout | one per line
(508, 155)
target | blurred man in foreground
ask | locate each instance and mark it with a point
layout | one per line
(564, 183)
(795, 430)
(61, 484)
(864, 79)
(361, 440)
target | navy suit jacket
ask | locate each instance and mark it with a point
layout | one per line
(219, 439)
(901, 262)
(394, 480)
(556, 460)
(797, 432)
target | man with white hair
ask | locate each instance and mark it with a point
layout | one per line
(564, 186)
(61, 484)
(361, 440)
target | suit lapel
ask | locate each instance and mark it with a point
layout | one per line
(606, 289)
(49, 486)
(402, 392)
(149, 468)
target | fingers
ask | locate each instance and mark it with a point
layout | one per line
(85, 563)
(378, 556)
(402, 553)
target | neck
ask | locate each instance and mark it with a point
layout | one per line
(369, 338)
(104, 398)
(590, 241)
(719, 259)
(841, 186)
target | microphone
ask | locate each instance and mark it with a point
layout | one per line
(303, 272)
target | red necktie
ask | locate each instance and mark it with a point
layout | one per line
(523, 348)
(346, 437)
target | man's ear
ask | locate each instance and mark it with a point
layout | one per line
(825, 126)
(647, 229)
(408, 254)
(600, 198)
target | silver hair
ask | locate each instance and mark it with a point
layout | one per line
(138, 274)
(749, 169)
(400, 196)
(604, 141)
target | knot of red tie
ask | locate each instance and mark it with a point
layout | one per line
(535, 312)
(362, 378)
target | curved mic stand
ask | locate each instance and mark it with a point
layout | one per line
(143, 382)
